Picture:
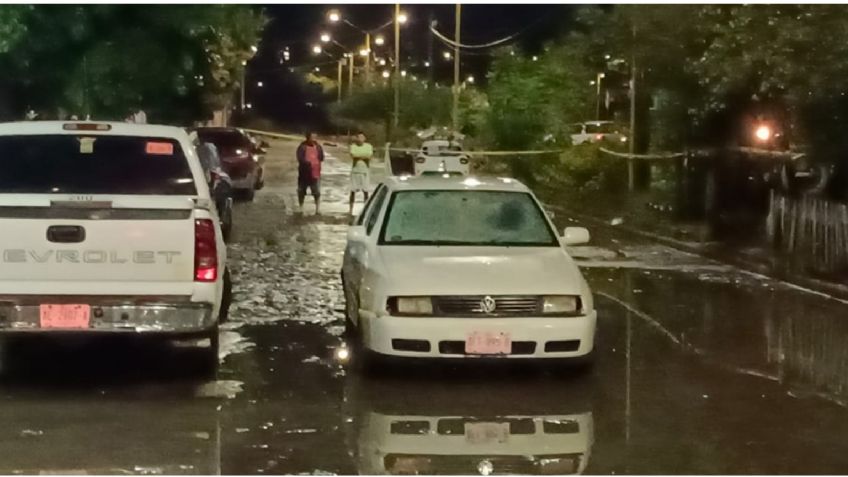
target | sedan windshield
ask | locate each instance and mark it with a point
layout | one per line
(466, 217)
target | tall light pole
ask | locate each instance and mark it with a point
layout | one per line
(367, 58)
(457, 39)
(600, 77)
(397, 20)
(339, 80)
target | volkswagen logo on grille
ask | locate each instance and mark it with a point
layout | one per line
(488, 305)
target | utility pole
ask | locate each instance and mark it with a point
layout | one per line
(430, 65)
(339, 81)
(456, 39)
(631, 179)
(243, 80)
(350, 75)
(368, 58)
(396, 78)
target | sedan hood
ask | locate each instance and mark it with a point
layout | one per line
(413, 270)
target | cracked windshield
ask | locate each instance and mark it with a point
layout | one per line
(429, 239)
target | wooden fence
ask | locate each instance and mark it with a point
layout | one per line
(811, 229)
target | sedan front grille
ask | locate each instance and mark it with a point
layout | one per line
(473, 306)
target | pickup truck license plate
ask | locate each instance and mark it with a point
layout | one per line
(488, 343)
(69, 317)
(486, 432)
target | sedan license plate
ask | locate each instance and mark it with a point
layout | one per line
(488, 343)
(486, 432)
(69, 317)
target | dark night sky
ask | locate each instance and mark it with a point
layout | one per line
(283, 96)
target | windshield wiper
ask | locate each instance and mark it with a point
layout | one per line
(426, 242)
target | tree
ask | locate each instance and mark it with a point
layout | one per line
(178, 61)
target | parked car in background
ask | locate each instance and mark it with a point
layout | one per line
(596, 131)
(463, 267)
(441, 156)
(220, 184)
(114, 232)
(242, 157)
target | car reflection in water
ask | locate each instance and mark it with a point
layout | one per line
(453, 425)
(72, 435)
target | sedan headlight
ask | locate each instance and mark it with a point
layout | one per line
(562, 304)
(411, 305)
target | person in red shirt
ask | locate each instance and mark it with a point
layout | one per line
(310, 155)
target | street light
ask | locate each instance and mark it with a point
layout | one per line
(325, 38)
(260, 84)
(446, 55)
(426, 64)
(403, 73)
(382, 62)
(763, 133)
(364, 52)
(379, 41)
(334, 16)
(253, 48)
(402, 18)
(598, 95)
(386, 74)
(470, 79)
(317, 49)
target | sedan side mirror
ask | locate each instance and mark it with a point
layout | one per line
(575, 236)
(356, 233)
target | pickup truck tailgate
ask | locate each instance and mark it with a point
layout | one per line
(126, 244)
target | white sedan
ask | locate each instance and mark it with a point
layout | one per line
(463, 267)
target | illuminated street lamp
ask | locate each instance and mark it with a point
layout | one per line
(317, 49)
(446, 55)
(260, 84)
(763, 133)
(334, 16)
(382, 62)
(364, 52)
(325, 38)
(386, 74)
(253, 48)
(402, 18)
(426, 64)
(470, 79)
(403, 73)
(379, 41)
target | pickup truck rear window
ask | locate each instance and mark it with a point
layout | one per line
(80, 164)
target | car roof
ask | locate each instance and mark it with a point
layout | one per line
(27, 128)
(452, 182)
(218, 129)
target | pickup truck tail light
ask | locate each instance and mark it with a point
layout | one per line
(205, 251)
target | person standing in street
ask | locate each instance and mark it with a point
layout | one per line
(310, 155)
(360, 173)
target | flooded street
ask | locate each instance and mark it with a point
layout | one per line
(701, 368)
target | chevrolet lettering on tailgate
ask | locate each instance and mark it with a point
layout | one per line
(19, 255)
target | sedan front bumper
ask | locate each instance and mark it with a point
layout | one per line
(436, 337)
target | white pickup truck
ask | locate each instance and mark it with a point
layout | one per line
(109, 228)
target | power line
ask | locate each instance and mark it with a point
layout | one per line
(454, 44)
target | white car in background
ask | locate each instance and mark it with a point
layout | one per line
(463, 267)
(596, 131)
(439, 157)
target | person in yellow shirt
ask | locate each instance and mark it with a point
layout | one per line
(360, 175)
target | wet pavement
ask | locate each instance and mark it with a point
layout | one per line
(701, 368)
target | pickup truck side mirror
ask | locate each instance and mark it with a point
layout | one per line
(575, 236)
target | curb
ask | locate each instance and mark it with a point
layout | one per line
(833, 290)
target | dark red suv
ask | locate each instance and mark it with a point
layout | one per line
(242, 157)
